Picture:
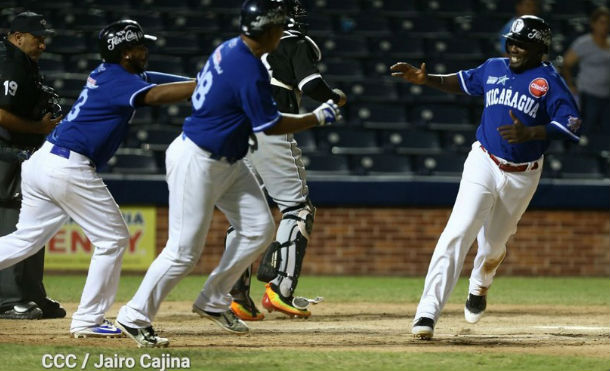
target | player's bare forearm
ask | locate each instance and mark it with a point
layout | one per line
(167, 93)
(16, 123)
(290, 123)
(419, 76)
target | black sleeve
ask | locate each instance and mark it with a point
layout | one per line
(319, 90)
(304, 62)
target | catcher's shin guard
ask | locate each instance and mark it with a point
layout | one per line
(242, 304)
(283, 259)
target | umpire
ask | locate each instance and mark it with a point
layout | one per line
(27, 108)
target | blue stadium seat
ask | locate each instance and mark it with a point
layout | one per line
(110, 5)
(150, 21)
(378, 115)
(397, 46)
(306, 140)
(195, 64)
(446, 164)
(175, 6)
(68, 43)
(341, 69)
(222, 6)
(420, 94)
(84, 63)
(144, 116)
(484, 26)
(335, 7)
(393, 7)
(441, 114)
(320, 25)
(370, 25)
(458, 140)
(326, 164)
(177, 43)
(51, 63)
(418, 26)
(87, 20)
(195, 21)
(67, 85)
(381, 164)
(344, 46)
(175, 114)
(449, 7)
(133, 161)
(567, 9)
(373, 91)
(574, 166)
(411, 141)
(452, 48)
(348, 140)
(156, 137)
(166, 64)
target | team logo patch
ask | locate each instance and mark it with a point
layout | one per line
(539, 87)
(574, 123)
(517, 26)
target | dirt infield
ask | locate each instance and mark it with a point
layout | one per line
(362, 326)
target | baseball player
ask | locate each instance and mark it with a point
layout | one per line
(278, 165)
(60, 180)
(527, 104)
(23, 124)
(205, 170)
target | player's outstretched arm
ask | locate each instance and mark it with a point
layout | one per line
(13, 122)
(419, 76)
(166, 93)
(326, 114)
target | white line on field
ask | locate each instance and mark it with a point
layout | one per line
(592, 328)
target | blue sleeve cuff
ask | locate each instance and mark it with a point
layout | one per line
(555, 130)
(163, 78)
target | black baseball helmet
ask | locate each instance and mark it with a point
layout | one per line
(296, 13)
(118, 35)
(530, 29)
(259, 15)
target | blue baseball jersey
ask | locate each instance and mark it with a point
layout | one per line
(98, 121)
(538, 96)
(231, 101)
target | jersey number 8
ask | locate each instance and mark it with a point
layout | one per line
(204, 83)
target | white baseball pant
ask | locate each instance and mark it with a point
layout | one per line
(489, 204)
(54, 188)
(198, 183)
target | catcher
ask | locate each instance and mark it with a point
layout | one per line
(276, 161)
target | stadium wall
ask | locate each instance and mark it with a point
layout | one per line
(399, 241)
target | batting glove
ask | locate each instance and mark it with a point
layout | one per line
(327, 113)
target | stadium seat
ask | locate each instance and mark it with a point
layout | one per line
(393, 7)
(320, 25)
(343, 46)
(420, 94)
(370, 25)
(397, 47)
(195, 21)
(381, 164)
(347, 140)
(454, 48)
(446, 164)
(133, 161)
(87, 20)
(458, 140)
(68, 85)
(373, 91)
(441, 114)
(177, 43)
(144, 116)
(150, 21)
(156, 137)
(166, 64)
(417, 26)
(326, 164)
(335, 7)
(449, 7)
(341, 69)
(378, 115)
(306, 141)
(68, 43)
(84, 63)
(411, 141)
(174, 114)
(51, 63)
(572, 166)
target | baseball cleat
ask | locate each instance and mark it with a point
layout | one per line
(145, 337)
(423, 328)
(474, 308)
(273, 300)
(246, 311)
(227, 321)
(105, 330)
(27, 310)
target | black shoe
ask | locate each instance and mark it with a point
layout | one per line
(52, 309)
(145, 337)
(474, 308)
(423, 328)
(28, 310)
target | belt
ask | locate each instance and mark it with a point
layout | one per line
(65, 153)
(511, 168)
(214, 156)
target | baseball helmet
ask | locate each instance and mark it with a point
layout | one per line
(295, 12)
(118, 35)
(530, 29)
(259, 15)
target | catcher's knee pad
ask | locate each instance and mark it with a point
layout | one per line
(284, 257)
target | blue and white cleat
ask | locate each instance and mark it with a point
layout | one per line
(105, 330)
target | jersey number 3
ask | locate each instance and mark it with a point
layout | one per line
(82, 98)
(204, 83)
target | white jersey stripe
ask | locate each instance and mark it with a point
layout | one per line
(564, 129)
(308, 79)
(462, 83)
(133, 96)
(267, 124)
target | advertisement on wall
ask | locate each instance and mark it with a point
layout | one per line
(70, 249)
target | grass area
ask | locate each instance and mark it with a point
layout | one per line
(505, 290)
(314, 360)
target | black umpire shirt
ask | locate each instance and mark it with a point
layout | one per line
(20, 92)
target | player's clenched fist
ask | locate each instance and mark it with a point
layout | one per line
(410, 73)
(327, 113)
